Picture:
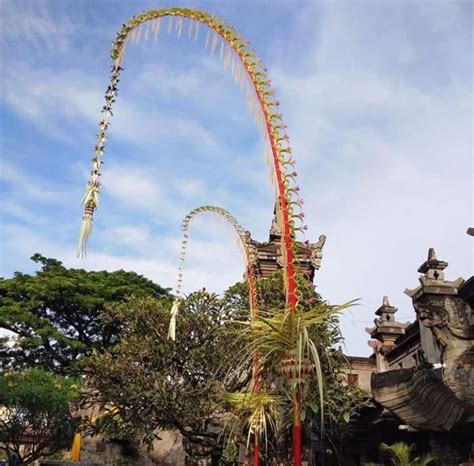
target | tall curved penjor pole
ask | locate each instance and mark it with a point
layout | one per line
(250, 256)
(249, 72)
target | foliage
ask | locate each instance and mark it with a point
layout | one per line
(36, 413)
(270, 295)
(312, 335)
(402, 454)
(55, 314)
(284, 335)
(146, 382)
(342, 404)
(255, 412)
(230, 454)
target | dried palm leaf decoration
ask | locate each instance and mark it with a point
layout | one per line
(257, 425)
(248, 71)
(243, 241)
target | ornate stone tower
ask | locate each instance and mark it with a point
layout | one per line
(308, 255)
(385, 332)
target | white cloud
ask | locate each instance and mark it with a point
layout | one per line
(132, 186)
(214, 263)
(385, 165)
(33, 23)
(27, 186)
(64, 104)
(191, 188)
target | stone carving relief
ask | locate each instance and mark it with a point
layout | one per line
(448, 319)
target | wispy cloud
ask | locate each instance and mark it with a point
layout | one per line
(380, 158)
(31, 22)
(26, 185)
(133, 187)
(63, 103)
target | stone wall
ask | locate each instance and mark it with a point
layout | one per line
(167, 450)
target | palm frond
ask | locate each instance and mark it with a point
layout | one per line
(261, 410)
(283, 337)
(401, 455)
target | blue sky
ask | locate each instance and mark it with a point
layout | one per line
(378, 101)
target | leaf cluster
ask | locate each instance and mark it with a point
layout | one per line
(309, 336)
(146, 382)
(36, 416)
(55, 314)
(402, 454)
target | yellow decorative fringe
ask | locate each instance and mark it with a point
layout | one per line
(76, 448)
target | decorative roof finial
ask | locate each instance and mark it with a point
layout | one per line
(432, 281)
(385, 308)
(433, 268)
(386, 328)
(431, 254)
(275, 229)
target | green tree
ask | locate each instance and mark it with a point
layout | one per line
(55, 314)
(146, 382)
(35, 416)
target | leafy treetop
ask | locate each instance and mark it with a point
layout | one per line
(146, 382)
(55, 314)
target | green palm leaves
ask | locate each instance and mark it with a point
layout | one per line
(401, 454)
(283, 341)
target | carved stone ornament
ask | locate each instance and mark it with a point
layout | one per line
(440, 308)
(316, 249)
(275, 230)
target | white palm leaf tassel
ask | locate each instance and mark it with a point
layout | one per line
(174, 313)
(90, 202)
(85, 231)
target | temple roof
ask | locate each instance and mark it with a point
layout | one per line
(418, 397)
